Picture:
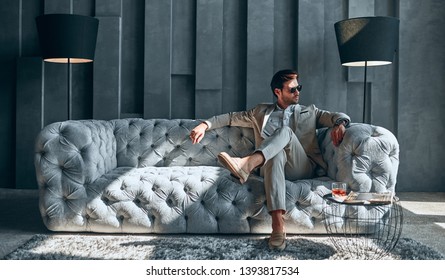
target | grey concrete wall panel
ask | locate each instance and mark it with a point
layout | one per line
(208, 103)
(29, 39)
(82, 90)
(209, 52)
(111, 8)
(421, 123)
(132, 67)
(386, 8)
(209, 57)
(183, 37)
(384, 108)
(354, 106)
(107, 65)
(9, 51)
(360, 8)
(56, 92)
(157, 74)
(383, 96)
(311, 51)
(28, 118)
(234, 59)
(58, 6)
(285, 35)
(260, 44)
(335, 88)
(183, 96)
(84, 7)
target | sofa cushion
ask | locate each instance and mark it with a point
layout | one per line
(196, 199)
(142, 143)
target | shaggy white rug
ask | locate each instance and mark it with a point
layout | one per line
(199, 247)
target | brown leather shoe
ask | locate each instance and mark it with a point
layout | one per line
(277, 241)
(233, 165)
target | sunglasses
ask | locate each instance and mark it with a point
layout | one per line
(294, 89)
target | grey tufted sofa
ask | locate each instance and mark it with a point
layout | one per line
(145, 176)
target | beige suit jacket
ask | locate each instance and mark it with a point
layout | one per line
(306, 119)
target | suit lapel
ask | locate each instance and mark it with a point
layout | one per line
(297, 111)
(267, 114)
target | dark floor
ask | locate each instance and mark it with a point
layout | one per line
(424, 218)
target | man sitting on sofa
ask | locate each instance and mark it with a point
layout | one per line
(285, 140)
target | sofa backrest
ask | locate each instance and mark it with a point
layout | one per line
(80, 151)
(162, 142)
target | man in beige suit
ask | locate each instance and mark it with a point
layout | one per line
(285, 140)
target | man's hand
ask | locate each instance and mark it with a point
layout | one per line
(337, 134)
(198, 133)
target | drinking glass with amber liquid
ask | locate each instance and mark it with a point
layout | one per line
(338, 189)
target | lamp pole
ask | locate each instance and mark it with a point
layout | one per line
(69, 91)
(364, 93)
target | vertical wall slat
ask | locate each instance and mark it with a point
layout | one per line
(107, 63)
(183, 45)
(183, 37)
(183, 96)
(335, 87)
(56, 92)
(132, 66)
(383, 98)
(354, 105)
(234, 59)
(82, 90)
(9, 50)
(28, 118)
(209, 27)
(311, 51)
(30, 42)
(157, 75)
(209, 35)
(285, 39)
(260, 51)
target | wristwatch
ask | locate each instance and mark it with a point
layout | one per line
(341, 121)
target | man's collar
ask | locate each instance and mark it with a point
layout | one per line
(277, 107)
(290, 107)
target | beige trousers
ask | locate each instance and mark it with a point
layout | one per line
(285, 159)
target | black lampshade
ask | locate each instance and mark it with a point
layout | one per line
(64, 36)
(371, 39)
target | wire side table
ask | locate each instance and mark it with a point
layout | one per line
(365, 231)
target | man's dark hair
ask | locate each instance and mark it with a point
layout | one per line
(281, 77)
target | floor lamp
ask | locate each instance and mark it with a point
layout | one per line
(367, 41)
(67, 38)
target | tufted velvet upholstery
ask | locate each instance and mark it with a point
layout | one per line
(145, 176)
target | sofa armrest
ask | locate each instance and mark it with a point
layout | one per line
(367, 159)
(69, 156)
